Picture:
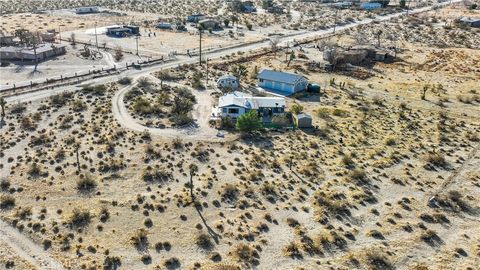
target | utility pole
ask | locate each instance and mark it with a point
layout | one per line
(206, 61)
(59, 35)
(136, 39)
(335, 21)
(200, 48)
(96, 38)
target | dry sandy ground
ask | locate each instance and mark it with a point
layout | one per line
(357, 196)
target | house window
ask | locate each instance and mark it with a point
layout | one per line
(261, 80)
(233, 110)
(224, 110)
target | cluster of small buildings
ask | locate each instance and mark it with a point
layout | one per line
(236, 104)
(31, 54)
(356, 55)
(123, 31)
(12, 50)
(468, 21)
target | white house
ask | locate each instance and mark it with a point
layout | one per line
(228, 82)
(238, 103)
(283, 82)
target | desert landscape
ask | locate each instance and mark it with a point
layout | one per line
(185, 158)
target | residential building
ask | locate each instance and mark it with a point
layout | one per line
(235, 104)
(86, 10)
(195, 18)
(282, 82)
(41, 53)
(209, 24)
(164, 26)
(228, 82)
(123, 31)
(472, 22)
(5, 39)
(303, 120)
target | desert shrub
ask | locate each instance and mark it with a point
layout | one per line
(60, 100)
(230, 193)
(177, 143)
(359, 175)
(244, 253)
(437, 160)
(183, 102)
(378, 261)
(323, 113)
(390, 142)
(111, 263)
(80, 218)
(39, 140)
(430, 237)
(78, 106)
(23, 213)
(172, 263)
(291, 250)
(204, 241)
(332, 204)
(125, 81)
(165, 76)
(28, 124)
(140, 239)
(156, 175)
(249, 122)
(4, 184)
(347, 160)
(34, 170)
(296, 108)
(86, 184)
(182, 119)
(340, 113)
(18, 108)
(7, 202)
(142, 105)
(98, 90)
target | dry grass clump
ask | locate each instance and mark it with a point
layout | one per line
(245, 253)
(156, 175)
(7, 202)
(204, 241)
(86, 184)
(111, 263)
(291, 250)
(229, 193)
(377, 260)
(172, 263)
(430, 237)
(80, 218)
(330, 241)
(140, 239)
(437, 160)
(332, 204)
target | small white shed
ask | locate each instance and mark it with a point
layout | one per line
(228, 82)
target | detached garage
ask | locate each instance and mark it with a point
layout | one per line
(282, 82)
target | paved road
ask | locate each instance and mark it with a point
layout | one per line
(283, 41)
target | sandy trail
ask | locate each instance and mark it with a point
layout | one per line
(200, 130)
(27, 249)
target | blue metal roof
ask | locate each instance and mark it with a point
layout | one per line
(278, 76)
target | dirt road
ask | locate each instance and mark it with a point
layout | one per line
(26, 249)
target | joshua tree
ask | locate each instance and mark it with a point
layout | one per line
(193, 169)
(292, 57)
(239, 71)
(2, 104)
(76, 147)
(425, 88)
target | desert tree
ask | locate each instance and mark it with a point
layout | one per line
(274, 44)
(76, 148)
(118, 53)
(239, 71)
(193, 169)
(291, 58)
(3, 103)
(249, 122)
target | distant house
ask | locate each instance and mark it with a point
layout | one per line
(303, 120)
(235, 104)
(195, 18)
(42, 52)
(209, 24)
(283, 82)
(472, 22)
(164, 26)
(249, 7)
(370, 6)
(123, 31)
(276, 9)
(6, 40)
(343, 5)
(228, 82)
(86, 10)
